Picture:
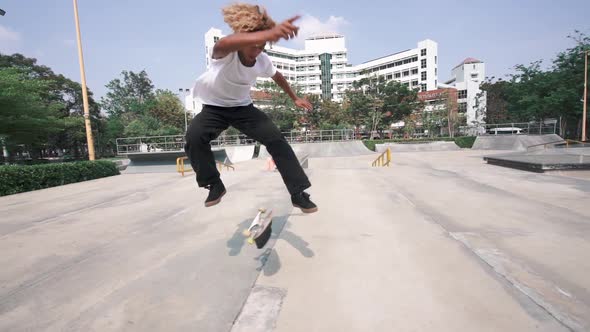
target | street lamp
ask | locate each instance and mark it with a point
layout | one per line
(89, 138)
(2, 12)
(180, 90)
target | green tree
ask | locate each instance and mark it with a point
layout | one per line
(495, 109)
(65, 96)
(25, 117)
(130, 97)
(281, 108)
(168, 109)
(534, 94)
(333, 115)
(376, 103)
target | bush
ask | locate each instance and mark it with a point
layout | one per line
(465, 142)
(17, 179)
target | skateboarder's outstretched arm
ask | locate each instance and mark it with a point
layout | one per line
(282, 82)
(239, 40)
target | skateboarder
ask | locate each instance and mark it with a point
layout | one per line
(224, 89)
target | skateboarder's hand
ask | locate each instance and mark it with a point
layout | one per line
(286, 30)
(303, 103)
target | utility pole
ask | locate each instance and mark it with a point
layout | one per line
(585, 95)
(89, 138)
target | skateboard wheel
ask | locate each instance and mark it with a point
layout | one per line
(250, 240)
(246, 233)
(263, 210)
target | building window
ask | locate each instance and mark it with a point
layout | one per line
(215, 39)
(415, 71)
(414, 83)
(399, 63)
(415, 59)
(406, 73)
(435, 59)
(388, 77)
(326, 76)
(423, 87)
(397, 75)
(462, 94)
(462, 107)
(423, 52)
(423, 63)
(423, 76)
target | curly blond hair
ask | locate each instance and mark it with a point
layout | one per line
(242, 17)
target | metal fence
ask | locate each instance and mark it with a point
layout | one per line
(176, 143)
(513, 128)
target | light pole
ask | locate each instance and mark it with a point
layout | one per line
(87, 123)
(585, 95)
(183, 101)
(2, 12)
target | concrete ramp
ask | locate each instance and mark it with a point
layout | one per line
(152, 162)
(414, 147)
(237, 154)
(327, 149)
(163, 162)
(513, 142)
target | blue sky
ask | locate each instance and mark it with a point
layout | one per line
(166, 37)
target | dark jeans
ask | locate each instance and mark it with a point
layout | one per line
(212, 120)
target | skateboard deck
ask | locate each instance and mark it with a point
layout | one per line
(260, 229)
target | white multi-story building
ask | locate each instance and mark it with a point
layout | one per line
(322, 67)
(467, 78)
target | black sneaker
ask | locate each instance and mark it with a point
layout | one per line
(302, 201)
(216, 191)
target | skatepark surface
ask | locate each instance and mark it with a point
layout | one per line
(439, 241)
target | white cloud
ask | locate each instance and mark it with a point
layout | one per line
(9, 40)
(311, 25)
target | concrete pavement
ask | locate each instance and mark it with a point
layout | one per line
(440, 241)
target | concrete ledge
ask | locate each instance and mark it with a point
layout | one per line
(541, 162)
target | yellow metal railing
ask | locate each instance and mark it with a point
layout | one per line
(569, 141)
(180, 168)
(383, 160)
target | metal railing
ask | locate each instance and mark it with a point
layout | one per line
(383, 160)
(512, 128)
(181, 168)
(177, 142)
(567, 143)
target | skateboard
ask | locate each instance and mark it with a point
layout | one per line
(260, 229)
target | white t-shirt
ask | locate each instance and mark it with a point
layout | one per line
(227, 83)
